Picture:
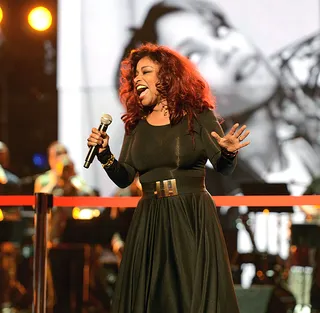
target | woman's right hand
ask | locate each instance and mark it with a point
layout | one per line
(98, 138)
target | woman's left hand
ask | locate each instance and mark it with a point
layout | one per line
(233, 141)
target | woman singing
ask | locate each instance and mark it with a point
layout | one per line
(175, 258)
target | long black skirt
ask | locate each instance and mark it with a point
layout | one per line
(175, 259)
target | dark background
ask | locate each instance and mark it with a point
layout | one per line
(28, 93)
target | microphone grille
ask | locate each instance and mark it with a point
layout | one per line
(106, 119)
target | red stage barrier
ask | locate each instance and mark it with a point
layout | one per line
(127, 202)
(43, 203)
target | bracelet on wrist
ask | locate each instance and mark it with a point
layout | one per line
(228, 153)
(109, 162)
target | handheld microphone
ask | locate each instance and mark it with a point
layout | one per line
(105, 120)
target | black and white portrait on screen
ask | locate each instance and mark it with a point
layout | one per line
(260, 58)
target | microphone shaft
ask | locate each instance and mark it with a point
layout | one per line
(93, 151)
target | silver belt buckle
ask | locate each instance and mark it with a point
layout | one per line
(166, 188)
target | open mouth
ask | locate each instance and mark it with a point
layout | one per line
(247, 68)
(141, 89)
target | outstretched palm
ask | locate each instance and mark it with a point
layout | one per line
(233, 140)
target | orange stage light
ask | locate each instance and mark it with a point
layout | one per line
(40, 19)
(1, 14)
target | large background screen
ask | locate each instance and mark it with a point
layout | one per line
(261, 59)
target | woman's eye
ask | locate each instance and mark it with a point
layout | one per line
(223, 31)
(194, 57)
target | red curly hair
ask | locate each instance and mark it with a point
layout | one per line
(180, 83)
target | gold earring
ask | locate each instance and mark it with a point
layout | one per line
(165, 108)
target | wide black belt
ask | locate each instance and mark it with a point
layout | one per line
(173, 187)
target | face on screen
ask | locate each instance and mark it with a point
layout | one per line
(237, 74)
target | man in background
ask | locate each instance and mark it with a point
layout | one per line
(61, 180)
(66, 259)
(9, 182)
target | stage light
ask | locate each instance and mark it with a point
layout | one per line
(40, 18)
(39, 160)
(1, 14)
(266, 211)
(76, 213)
(85, 213)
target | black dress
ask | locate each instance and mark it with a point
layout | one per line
(175, 259)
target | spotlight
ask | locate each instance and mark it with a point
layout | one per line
(1, 14)
(39, 160)
(40, 19)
